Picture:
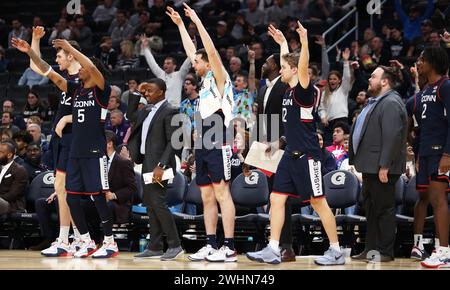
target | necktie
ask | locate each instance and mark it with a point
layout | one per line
(149, 107)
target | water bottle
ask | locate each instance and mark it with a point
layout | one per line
(142, 244)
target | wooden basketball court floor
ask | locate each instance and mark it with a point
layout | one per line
(27, 260)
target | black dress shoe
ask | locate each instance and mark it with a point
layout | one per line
(287, 255)
(42, 245)
(361, 257)
(380, 259)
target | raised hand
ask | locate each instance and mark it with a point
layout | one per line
(20, 44)
(61, 43)
(320, 40)
(251, 55)
(445, 37)
(346, 54)
(189, 12)
(38, 32)
(144, 41)
(174, 15)
(276, 34)
(302, 32)
(396, 63)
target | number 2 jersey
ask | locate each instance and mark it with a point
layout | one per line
(434, 119)
(89, 111)
(298, 121)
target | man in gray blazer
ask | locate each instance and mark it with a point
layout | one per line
(378, 150)
(150, 144)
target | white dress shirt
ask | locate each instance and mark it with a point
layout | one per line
(4, 169)
(146, 125)
(270, 85)
(110, 159)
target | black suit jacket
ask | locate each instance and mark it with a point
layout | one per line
(273, 107)
(158, 147)
(123, 183)
(383, 137)
(13, 186)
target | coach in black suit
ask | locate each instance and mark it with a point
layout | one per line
(153, 125)
(378, 150)
(270, 98)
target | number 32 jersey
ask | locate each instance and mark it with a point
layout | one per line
(435, 121)
(89, 109)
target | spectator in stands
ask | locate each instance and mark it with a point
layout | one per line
(189, 105)
(357, 105)
(61, 30)
(34, 106)
(298, 9)
(338, 149)
(105, 12)
(143, 21)
(193, 33)
(240, 150)
(8, 122)
(31, 78)
(173, 79)
(235, 68)
(106, 53)
(222, 39)
(135, 18)
(8, 106)
(435, 39)
(127, 59)
(278, 12)
(397, 43)
(258, 48)
(120, 29)
(35, 119)
(419, 43)
(35, 132)
(320, 10)
(411, 23)
(244, 93)
(333, 104)
(368, 35)
(6, 135)
(253, 14)
(119, 125)
(18, 31)
(239, 26)
(13, 181)
(22, 139)
(32, 162)
(158, 14)
(132, 87)
(4, 62)
(81, 33)
(380, 54)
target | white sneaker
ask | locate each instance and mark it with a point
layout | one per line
(108, 250)
(224, 254)
(438, 259)
(57, 249)
(202, 253)
(87, 249)
(76, 244)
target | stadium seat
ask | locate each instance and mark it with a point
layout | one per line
(18, 94)
(136, 73)
(250, 192)
(176, 189)
(43, 90)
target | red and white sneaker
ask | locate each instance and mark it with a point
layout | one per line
(57, 249)
(439, 259)
(224, 254)
(87, 249)
(108, 250)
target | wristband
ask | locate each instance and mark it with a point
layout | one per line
(47, 72)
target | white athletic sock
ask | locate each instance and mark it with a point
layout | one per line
(275, 245)
(64, 234)
(86, 237)
(76, 232)
(418, 241)
(109, 239)
(335, 246)
(445, 251)
(436, 243)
